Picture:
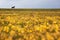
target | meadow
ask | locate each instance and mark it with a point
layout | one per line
(29, 24)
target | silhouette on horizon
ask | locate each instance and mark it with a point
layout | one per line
(13, 7)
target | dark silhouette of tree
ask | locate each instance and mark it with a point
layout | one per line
(13, 7)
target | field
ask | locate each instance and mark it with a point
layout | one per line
(29, 24)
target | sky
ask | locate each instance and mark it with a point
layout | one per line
(30, 3)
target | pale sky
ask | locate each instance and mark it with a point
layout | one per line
(30, 3)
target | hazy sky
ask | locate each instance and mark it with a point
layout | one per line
(30, 3)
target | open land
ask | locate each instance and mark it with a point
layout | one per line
(29, 24)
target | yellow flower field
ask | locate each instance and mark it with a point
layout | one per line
(29, 27)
